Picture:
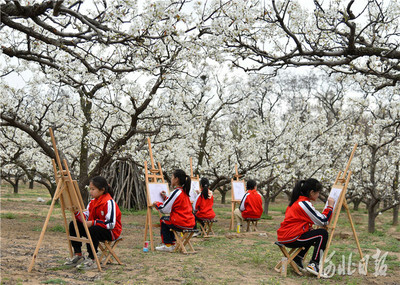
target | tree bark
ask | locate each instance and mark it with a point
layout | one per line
(372, 214)
(396, 215)
(266, 204)
(15, 185)
(395, 221)
(356, 203)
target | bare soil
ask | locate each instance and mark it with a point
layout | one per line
(246, 258)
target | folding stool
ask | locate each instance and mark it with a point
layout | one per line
(207, 228)
(182, 241)
(107, 250)
(252, 222)
(289, 255)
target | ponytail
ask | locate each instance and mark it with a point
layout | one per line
(303, 188)
(102, 184)
(184, 180)
(204, 184)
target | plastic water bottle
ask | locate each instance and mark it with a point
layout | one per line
(146, 246)
(238, 228)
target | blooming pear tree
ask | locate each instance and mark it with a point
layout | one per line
(376, 172)
(338, 35)
(113, 56)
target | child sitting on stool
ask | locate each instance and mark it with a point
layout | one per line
(251, 204)
(179, 207)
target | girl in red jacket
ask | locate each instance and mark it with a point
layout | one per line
(203, 205)
(103, 219)
(251, 204)
(179, 207)
(296, 229)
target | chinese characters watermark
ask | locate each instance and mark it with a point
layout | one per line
(347, 267)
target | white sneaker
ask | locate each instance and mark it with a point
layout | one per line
(313, 268)
(77, 259)
(87, 264)
(163, 247)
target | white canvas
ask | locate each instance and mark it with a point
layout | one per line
(154, 190)
(238, 190)
(195, 186)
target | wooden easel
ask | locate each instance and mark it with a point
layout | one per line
(70, 199)
(151, 175)
(233, 201)
(342, 181)
(195, 179)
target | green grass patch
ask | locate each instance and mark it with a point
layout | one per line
(266, 217)
(133, 212)
(8, 216)
(57, 228)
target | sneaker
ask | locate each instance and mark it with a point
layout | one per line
(87, 264)
(196, 234)
(77, 259)
(299, 262)
(163, 247)
(314, 269)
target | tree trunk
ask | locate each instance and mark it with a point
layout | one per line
(396, 215)
(266, 205)
(82, 187)
(15, 185)
(396, 195)
(356, 203)
(396, 210)
(223, 197)
(372, 214)
(31, 183)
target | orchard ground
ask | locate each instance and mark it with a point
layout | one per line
(228, 258)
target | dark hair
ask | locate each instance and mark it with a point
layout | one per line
(251, 184)
(303, 188)
(184, 180)
(101, 183)
(204, 184)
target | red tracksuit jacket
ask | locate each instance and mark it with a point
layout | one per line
(104, 212)
(251, 205)
(299, 218)
(204, 207)
(180, 209)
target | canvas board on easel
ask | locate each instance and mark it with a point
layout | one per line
(154, 192)
(238, 190)
(335, 194)
(195, 186)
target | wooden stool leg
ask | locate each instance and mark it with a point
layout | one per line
(290, 256)
(203, 230)
(112, 252)
(209, 225)
(188, 236)
(291, 262)
(179, 245)
(103, 252)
